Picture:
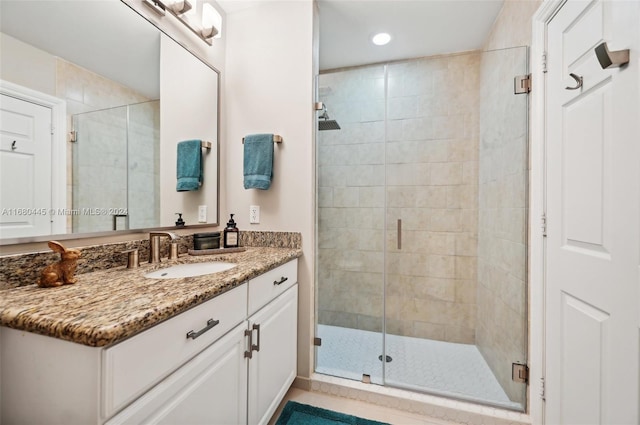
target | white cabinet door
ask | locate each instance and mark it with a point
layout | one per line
(272, 367)
(210, 389)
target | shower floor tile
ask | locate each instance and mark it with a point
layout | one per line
(444, 368)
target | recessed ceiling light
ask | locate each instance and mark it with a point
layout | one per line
(381, 39)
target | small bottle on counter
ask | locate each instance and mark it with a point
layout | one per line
(231, 234)
(180, 221)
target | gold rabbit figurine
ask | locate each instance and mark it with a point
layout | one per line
(60, 273)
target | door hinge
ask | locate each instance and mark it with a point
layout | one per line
(522, 84)
(544, 62)
(542, 388)
(520, 373)
(543, 222)
(53, 129)
(317, 341)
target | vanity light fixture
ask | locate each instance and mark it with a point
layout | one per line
(211, 21)
(381, 39)
(178, 9)
(208, 33)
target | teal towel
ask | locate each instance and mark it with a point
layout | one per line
(258, 161)
(189, 167)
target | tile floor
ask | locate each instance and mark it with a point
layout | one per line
(356, 408)
(443, 368)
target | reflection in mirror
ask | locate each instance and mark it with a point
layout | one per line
(97, 84)
(121, 146)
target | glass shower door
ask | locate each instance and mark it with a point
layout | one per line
(456, 224)
(422, 209)
(100, 163)
(143, 167)
(117, 158)
(350, 227)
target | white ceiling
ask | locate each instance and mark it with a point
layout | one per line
(418, 27)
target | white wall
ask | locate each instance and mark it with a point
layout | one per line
(269, 89)
(188, 111)
(27, 66)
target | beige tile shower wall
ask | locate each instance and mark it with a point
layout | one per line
(502, 322)
(431, 185)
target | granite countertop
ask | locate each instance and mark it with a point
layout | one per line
(107, 306)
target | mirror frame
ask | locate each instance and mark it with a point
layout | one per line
(67, 236)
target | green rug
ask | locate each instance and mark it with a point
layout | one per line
(303, 414)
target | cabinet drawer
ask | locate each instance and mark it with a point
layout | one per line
(268, 286)
(134, 365)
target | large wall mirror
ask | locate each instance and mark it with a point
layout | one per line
(95, 99)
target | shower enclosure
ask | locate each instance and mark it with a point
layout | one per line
(116, 166)
(422, 226)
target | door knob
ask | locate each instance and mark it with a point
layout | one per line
(609, 59)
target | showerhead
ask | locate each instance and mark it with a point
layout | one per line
(325, 123)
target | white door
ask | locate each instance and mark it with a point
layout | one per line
(210, 389)
(25, 168)
(273, 367)
(592, 253)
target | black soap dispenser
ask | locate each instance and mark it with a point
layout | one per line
(180, 221)
(231, 234)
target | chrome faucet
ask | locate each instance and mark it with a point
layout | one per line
(154, 246)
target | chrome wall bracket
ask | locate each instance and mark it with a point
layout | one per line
(522, 84)
(609, 59)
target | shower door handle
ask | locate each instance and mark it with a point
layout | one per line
(399, 234)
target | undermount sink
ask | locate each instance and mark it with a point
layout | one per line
(190, 270)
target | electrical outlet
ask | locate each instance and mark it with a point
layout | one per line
(254, 214)
(202, 214)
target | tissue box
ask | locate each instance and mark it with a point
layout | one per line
(206, 240)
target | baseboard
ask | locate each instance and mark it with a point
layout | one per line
(302, 383)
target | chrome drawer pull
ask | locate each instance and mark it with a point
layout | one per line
(210, 324)
(282, 280)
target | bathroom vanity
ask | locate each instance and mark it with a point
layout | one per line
(119, 348)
